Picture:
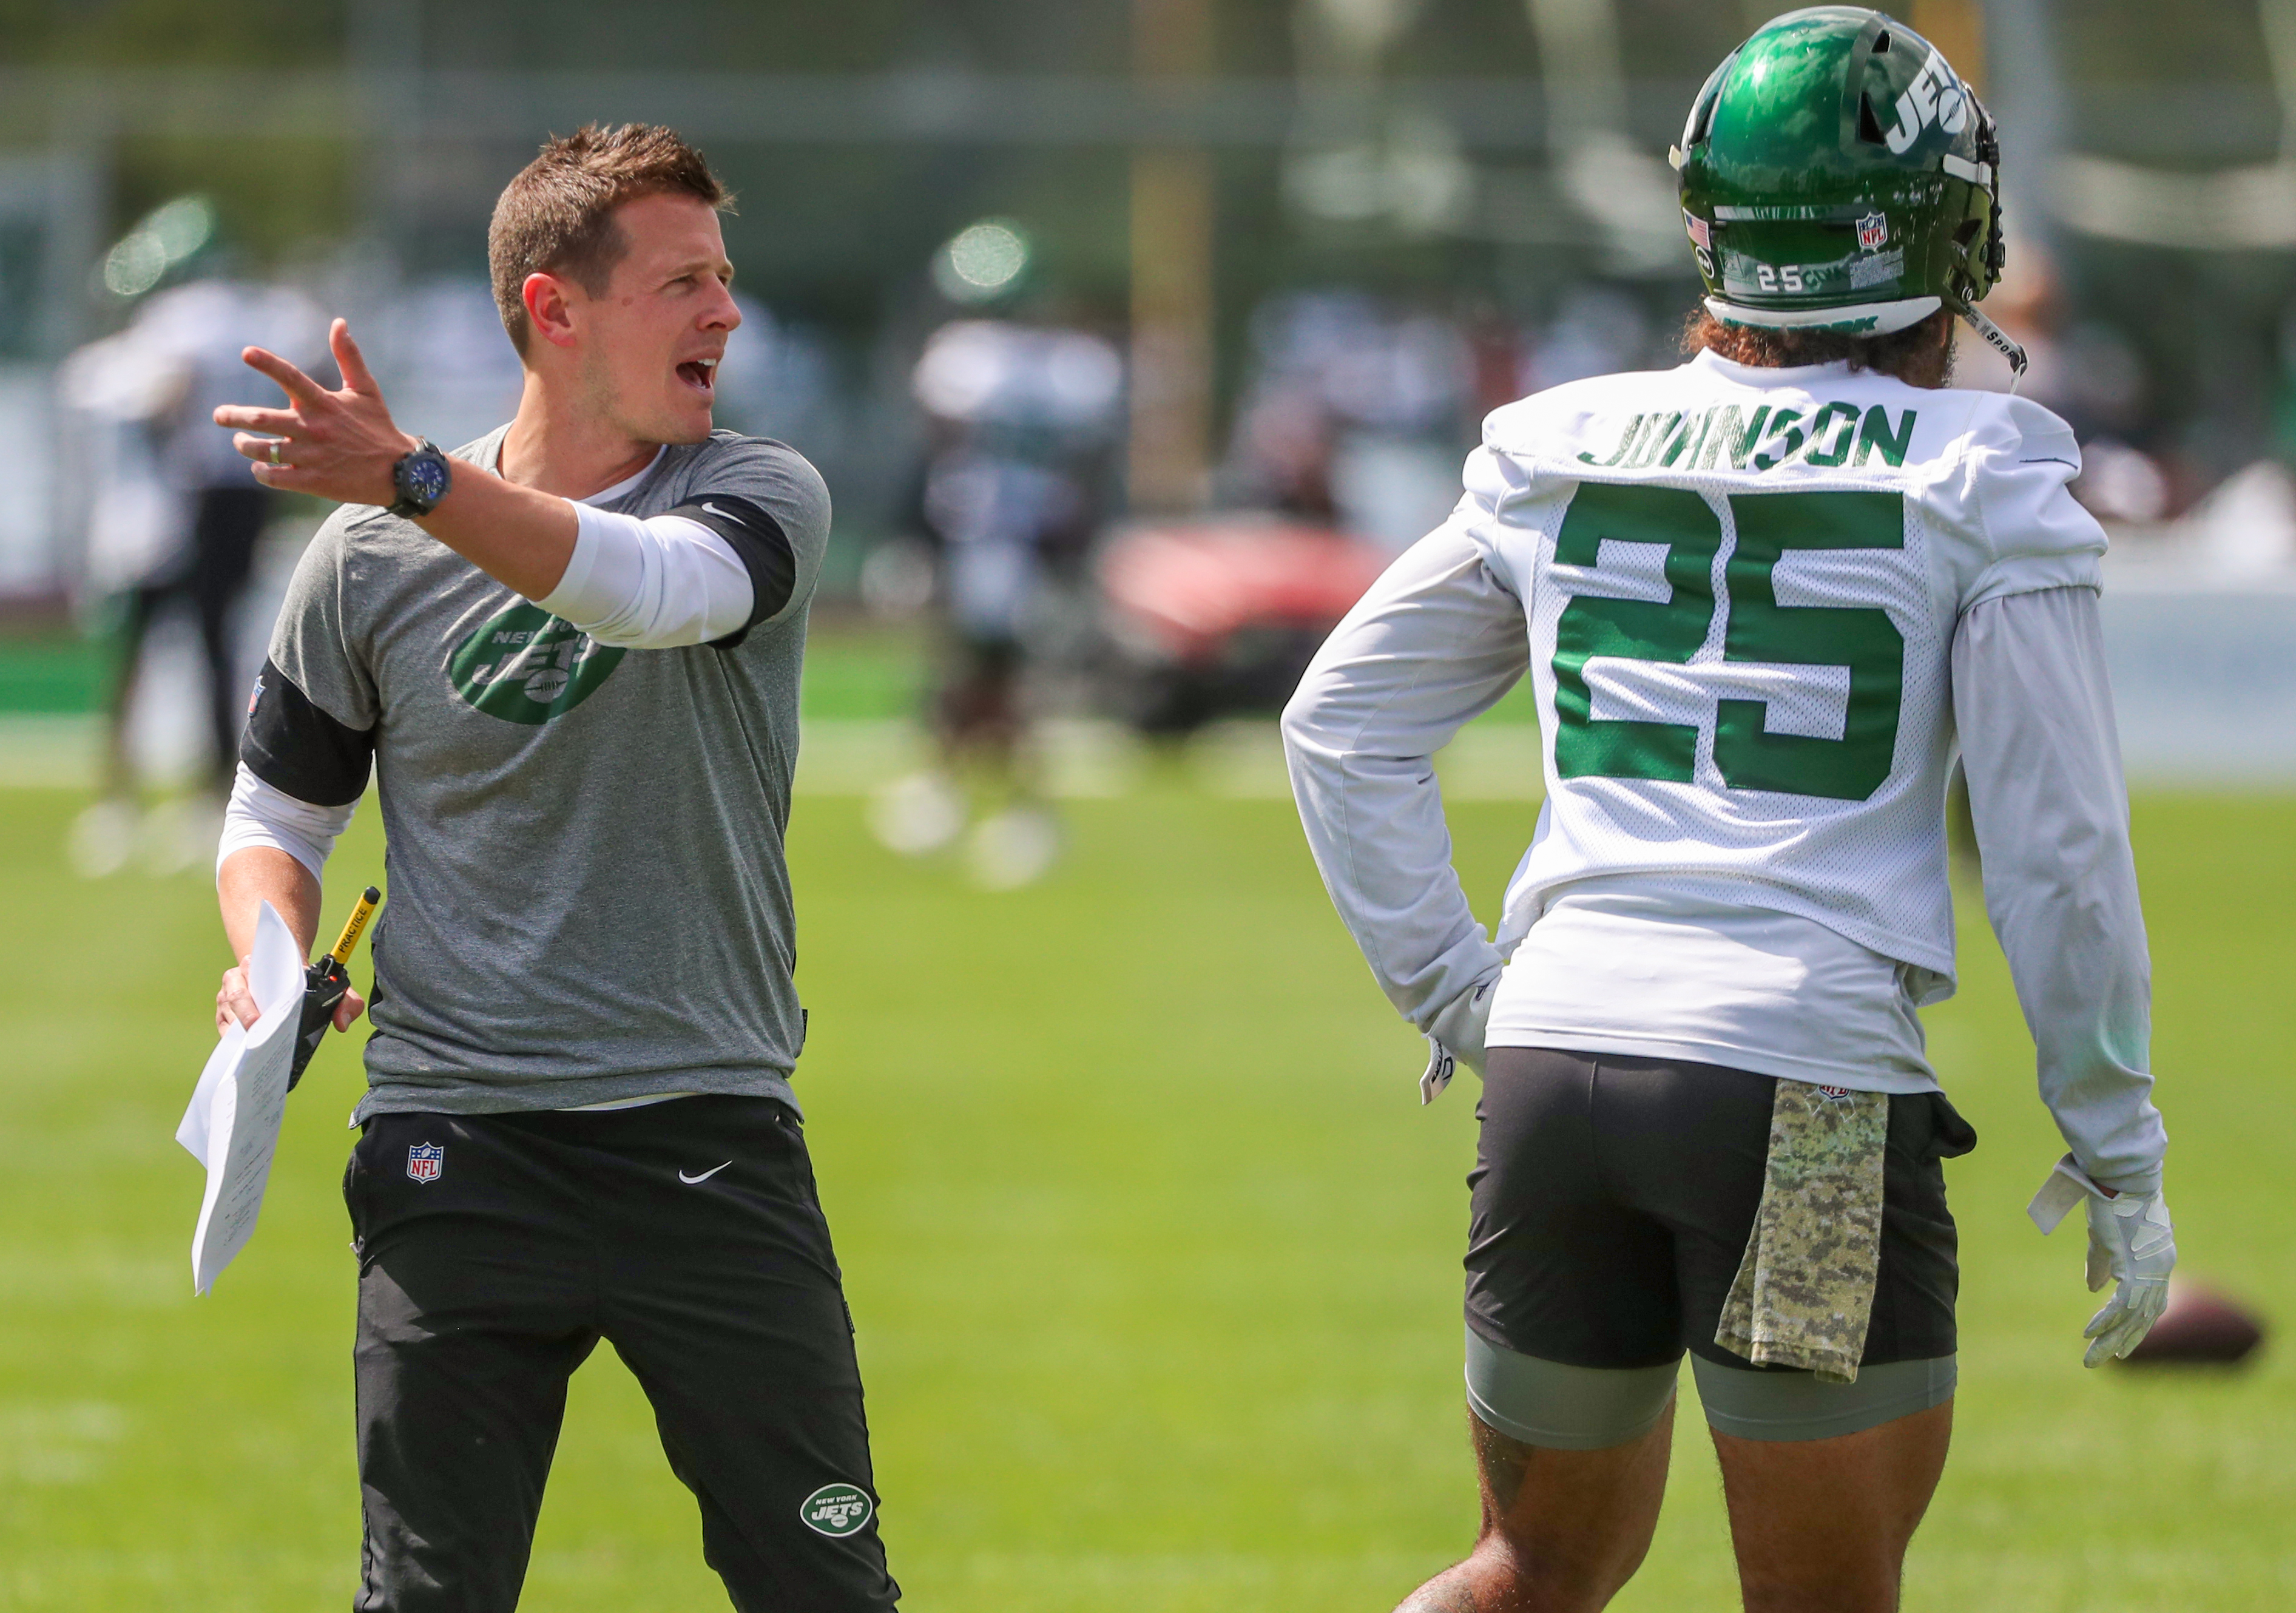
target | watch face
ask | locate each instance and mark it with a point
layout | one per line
(426, 478)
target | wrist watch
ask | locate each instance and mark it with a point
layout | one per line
(422, 479)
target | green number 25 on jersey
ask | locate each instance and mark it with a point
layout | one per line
(1759, 629)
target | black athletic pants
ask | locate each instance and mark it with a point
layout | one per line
(495, 1251)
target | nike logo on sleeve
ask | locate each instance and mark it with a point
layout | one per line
(705, 1175)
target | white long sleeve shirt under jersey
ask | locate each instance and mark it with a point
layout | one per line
(1763, 612)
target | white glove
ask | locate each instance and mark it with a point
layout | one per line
(1456, 1038)
(2130, 1241)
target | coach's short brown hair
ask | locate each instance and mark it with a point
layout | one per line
(557, 216)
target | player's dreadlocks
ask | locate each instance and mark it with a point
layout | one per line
(1920, 355)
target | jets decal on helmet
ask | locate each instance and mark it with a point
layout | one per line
(1837, 174)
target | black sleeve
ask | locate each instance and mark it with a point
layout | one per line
(299, 750)
(764, 549)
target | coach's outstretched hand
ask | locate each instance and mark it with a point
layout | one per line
(336, 445)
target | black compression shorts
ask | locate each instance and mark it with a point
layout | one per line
(1613, 1197)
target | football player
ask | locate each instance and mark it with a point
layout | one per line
(1766, 599)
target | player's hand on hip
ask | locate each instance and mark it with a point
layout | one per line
(2132, 1243)
(338, 445)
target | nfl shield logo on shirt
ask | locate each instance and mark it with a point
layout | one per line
(425, 1161)
(1873, 231)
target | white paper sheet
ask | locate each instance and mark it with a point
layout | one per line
(232, 1123)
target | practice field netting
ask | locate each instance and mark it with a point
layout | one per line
(1153, 1254)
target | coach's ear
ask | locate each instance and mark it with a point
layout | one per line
(549, 311)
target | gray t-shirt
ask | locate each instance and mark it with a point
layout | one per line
(588, 895)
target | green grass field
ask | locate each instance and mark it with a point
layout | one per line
(1153, 1254)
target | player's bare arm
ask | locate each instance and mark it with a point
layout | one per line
(624, 370)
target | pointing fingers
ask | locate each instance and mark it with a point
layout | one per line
(307, 392)
(357, 376)
(338, 444)
(278, 422)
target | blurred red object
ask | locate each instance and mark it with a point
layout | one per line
(1190, 587)
(2200, 1327)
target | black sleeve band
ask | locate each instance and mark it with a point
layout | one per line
(299, 750)
(763, 546)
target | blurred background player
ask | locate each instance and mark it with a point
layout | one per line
(1022, 419)
(1763, 599)
(172, 525)
(1352, 415)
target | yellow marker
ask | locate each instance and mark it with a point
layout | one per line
(356, 926)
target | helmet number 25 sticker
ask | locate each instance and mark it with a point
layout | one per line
(1749, 757)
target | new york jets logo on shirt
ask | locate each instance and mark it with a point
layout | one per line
(526, 665)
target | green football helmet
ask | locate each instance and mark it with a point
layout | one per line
(1838, 174)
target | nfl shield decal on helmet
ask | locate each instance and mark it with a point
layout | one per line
(1873, 231)
(425, 1161)
(835, 1509)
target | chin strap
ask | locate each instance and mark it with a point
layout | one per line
(1998, 339)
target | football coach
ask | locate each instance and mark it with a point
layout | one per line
(569, 651)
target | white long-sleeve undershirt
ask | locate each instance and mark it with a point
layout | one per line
(656, 582)
(2043, 758)
(263, 815)
(652, 583)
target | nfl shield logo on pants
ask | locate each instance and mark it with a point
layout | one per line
(425, 1160)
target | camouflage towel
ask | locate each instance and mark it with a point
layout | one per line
(1805, 1289)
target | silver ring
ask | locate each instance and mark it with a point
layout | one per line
(275, 459)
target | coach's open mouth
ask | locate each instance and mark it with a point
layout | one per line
(700, 374)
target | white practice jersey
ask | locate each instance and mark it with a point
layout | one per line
(1743, 598)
